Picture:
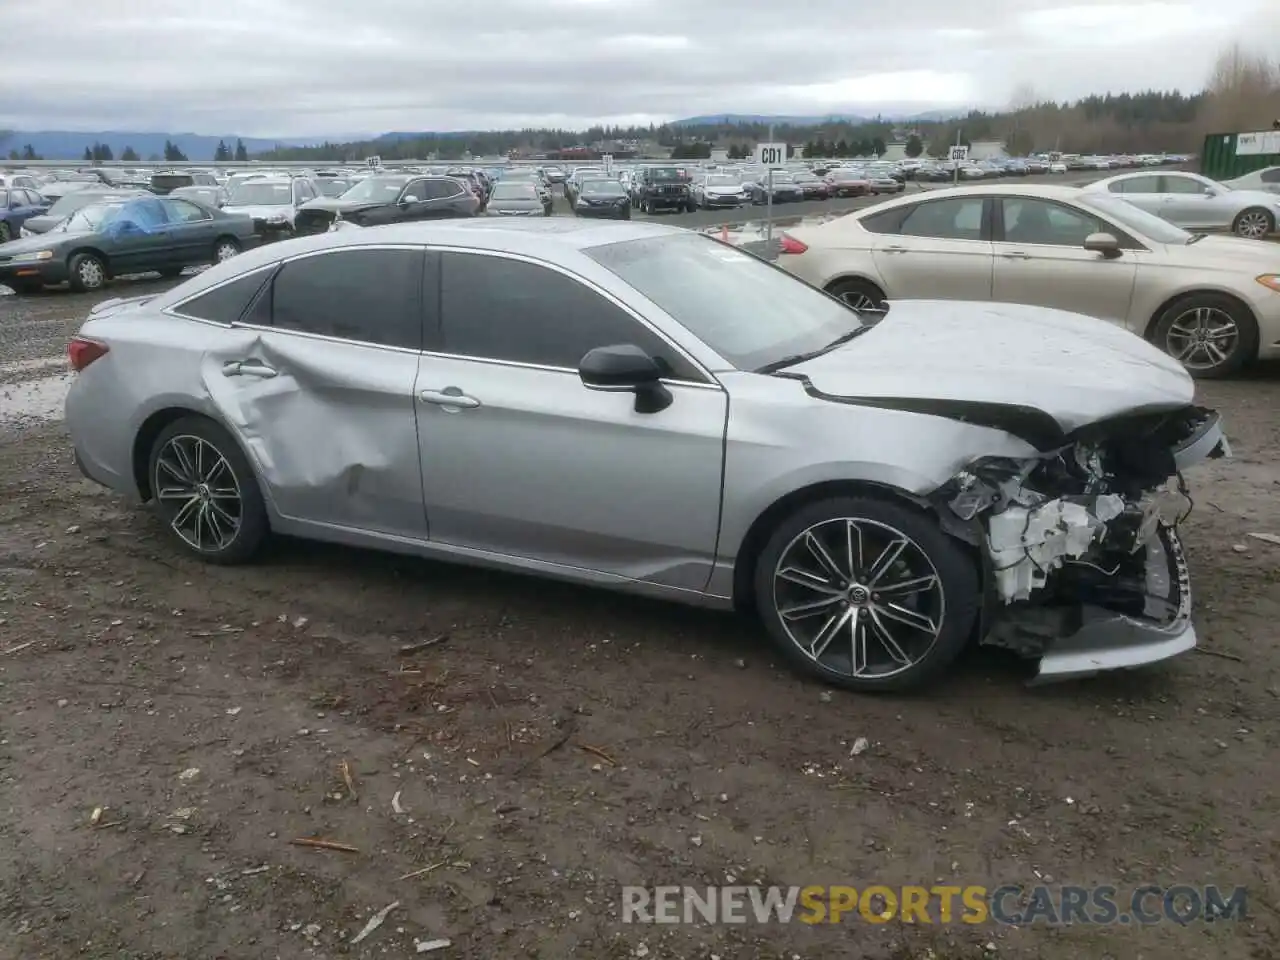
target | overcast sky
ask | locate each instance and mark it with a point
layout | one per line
(289, 68)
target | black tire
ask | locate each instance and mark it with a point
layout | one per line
(857, 293)
(690, 207)
(1168, 333)
(87, 273)
(251, 526)
(6, 232)
(1255, 223)
(170, 272)
(646, 207)
(950, 602)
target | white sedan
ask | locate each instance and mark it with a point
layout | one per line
(1211, 302)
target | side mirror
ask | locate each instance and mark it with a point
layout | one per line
(1103, 243)
(408, 200)
(625, 368)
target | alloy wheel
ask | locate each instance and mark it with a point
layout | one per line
(858, 300)
(1253, 225)
(225, 251)
(199, 493)
(859, 598)
(1202, 338)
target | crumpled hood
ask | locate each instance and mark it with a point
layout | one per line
(1076, 369)
(263, 211)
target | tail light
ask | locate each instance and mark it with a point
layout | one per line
(790, 244)
(82, 351)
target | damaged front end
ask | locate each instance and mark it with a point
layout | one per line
(1084, 568)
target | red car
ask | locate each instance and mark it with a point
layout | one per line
(847, 183)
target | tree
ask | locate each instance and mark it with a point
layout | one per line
(13, 154)
(172, 153)
(129, 155)
(878, 147)
(153, 158)
(104, 153)
(1243, 92)
(241, 153)
(841, 149)
(29, 153)
(221, 154)
(915, 146)
(1020, 142)
(88, 155)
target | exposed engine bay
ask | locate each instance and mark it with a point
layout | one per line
(1084, 567)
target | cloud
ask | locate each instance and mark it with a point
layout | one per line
(291, 68)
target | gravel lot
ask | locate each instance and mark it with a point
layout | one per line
(211, 714)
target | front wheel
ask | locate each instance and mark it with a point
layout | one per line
(1254, 224)
(88, 273)
(204, 490)
(1211, 335)
(6, 231)
(866, 594)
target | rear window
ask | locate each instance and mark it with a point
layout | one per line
(227, 303)
(171, 181)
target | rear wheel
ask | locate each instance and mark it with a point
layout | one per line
(224, 248)
(87, 273)
(1211, 335)
(204, 490)
(866, 594)
(861, 295)
(1254, 224)
(170, 272)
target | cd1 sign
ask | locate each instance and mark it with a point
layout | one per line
(771, 154)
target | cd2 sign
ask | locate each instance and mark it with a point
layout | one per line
(771, 154)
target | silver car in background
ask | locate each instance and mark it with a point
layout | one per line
(647, 408)
(1193, 202)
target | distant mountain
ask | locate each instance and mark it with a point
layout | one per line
(70, 144)
(814, 120)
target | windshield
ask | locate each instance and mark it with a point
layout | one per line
(515, 190)
(663, 174)
(602, 187)
(257, 193)
(722, 181)
(1139, 221)
(333, 186)
(376, 190)
(747, 310)
(72, 202)
(91, 218)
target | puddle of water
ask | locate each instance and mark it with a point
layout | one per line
(40, 399)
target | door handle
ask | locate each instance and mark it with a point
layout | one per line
(449, 397)
(1016, 255)
(895, 249)
(248, 368)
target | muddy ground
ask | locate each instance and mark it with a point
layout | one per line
(214, 715)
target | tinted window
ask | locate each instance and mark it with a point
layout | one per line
(887, 221)
(227, 303)
(1271, 176)
(423, 189)
(504, 309)
(1036, 221)
(368, 295)
(1184, 185)
(1136, 185)
(956, 219)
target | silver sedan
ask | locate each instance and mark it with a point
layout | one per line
(1194, 202)
(645, 408)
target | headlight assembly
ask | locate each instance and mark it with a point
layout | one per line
(32, 257)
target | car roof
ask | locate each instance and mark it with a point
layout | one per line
(1046, 192)
(542, 239)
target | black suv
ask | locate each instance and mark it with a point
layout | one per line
(389, 198)
(665, 188)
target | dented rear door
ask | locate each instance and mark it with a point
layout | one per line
(318, 380)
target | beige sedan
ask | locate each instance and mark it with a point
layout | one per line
(1211, 302)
